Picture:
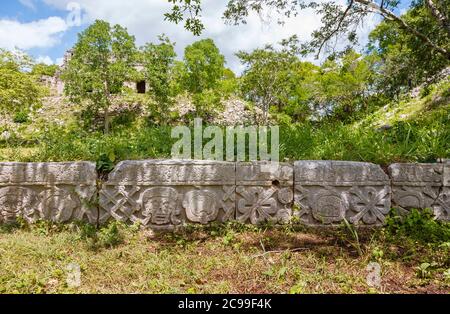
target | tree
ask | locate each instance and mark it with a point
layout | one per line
(204, 68)
(103, 59)
(204, 65)
(404, 61)
(337, 20)
(270, 75)
(40, 69)
(188, 10)
(177, 83)
(18, 90)
(158, 62)
(342, 87)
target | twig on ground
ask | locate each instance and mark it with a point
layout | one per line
(279, 251)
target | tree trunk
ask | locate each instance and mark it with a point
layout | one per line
(108, 104)
(106, 117)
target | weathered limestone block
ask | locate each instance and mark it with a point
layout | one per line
(421, 186)
(446, 176)
(58, 192)
(264, 192)
(326, 192)
(165, 194)
(442, 204)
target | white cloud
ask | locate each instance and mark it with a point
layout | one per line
(145, 20)
(28, 3)
(44, 59)
(37, 34)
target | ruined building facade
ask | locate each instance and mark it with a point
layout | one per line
(56, 84)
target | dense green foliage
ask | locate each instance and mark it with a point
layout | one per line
(273, 78)
(204, 68)
(158, 62)
(102, 61)
(418, 225)
(341, 109)
(19, 91)
(40, 69)
(405, 61)
(422, 140)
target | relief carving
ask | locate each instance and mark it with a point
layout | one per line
(160, 207)
(53, 191)
(420, 186)
(165, 194)
(327, 192)
(441, 206)
(264, 192)
(17, 202)
(201, 206)
(372, 205)
(57, 205)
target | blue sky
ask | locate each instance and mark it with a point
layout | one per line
(29, 11)
(40, 26)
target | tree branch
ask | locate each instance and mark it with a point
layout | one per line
(389, 15)
(441, 17)
(336, 29)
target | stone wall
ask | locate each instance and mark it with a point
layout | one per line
(167, 194)
(59, 192)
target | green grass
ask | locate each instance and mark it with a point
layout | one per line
(418, 141)
(230, 258)
(431, 101)
(419, 132)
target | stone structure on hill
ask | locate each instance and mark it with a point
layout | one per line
(56, 84)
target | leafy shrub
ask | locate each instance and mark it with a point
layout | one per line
(418, 225)
(111, 235)
(107, 236)
(419, 141)
(20, 117)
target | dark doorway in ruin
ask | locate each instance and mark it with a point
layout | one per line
(140, 87)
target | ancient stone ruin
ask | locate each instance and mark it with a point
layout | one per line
(168, 194)
(59, 192)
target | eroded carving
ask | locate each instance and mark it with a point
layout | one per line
(17, 202)
(420, 186)
(165, 194)
(160, 207)
(327, 192)
(201, 206)
(58, 205)
(58, 192)
(441, 206)
(264, 192)
(371, 204)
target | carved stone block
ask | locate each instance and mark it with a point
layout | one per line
(58, 192)
(446, 176)
(327, 192)
(264, 192)
(442, 204)
(441, 207)
(421, 186)
(165, 194)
